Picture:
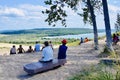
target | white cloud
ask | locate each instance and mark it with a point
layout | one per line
(33, 11)
(29, 7)
(22, 17)
(11, 12)
(30, 16)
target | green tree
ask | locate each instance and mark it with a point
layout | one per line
(91, 9)
(57, 13)
(117, 24)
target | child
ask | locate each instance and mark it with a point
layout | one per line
(20, 49)
(30, 49)
(62, 50)
(13, 50)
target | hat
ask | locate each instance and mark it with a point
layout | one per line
(64, 41)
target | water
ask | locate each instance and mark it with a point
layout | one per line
(89, 35)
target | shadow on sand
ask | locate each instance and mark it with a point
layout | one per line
(25, 76)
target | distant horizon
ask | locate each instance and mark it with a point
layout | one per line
(42, 28)
(48, 28)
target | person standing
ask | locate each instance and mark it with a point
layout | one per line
(62, 50)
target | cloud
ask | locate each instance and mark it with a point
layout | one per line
(11, 12)
(30, 7)
(33, 11)
(22, 17)
(30, 16)
(114, 8)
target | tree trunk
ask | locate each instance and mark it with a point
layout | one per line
(107, 26)
(94, 24)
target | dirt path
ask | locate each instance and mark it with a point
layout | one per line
(11, 67)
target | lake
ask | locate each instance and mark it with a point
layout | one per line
(89, 35)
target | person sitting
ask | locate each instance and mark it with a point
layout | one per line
(13, 50)
(30, 49)
(118, 37)
(37, 47)
(20, 49)
(62, 50)
(50, 44)
(86, 39)
(47, 53)
(81, 41)
(115, 39)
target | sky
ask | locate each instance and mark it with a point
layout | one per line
(26, 14)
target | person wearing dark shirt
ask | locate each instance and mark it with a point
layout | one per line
(30, 49)
(20, 49)
(62, 50)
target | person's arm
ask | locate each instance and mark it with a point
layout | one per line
(23, 50)
(42, 48)
(10, 50)
(18, 50)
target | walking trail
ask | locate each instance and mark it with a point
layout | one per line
(78, 57)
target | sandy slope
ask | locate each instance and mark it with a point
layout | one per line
(11, 67)
(5, 48)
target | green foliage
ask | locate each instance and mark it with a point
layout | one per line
(56, 12)
(117, 24)
(117, 75)
(96, 4)
(29, 37)
(100, 72)
(107, 53)
(43, 32)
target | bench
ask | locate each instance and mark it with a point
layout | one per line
(37, 67)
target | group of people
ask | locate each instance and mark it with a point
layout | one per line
(47, 50)
(83, 40)
(115, 38)
(20, 50)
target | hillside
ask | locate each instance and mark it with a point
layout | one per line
(50, 31)
(29, 36)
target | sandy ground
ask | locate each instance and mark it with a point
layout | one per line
(78, 57)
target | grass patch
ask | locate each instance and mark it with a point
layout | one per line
(107, 53)
(100, 72)
(73, 43)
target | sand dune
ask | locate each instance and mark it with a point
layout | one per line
(78, 57)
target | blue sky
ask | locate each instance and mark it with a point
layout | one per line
(26, 14)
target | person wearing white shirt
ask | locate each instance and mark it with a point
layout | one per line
(47, 53)
(13, 50)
